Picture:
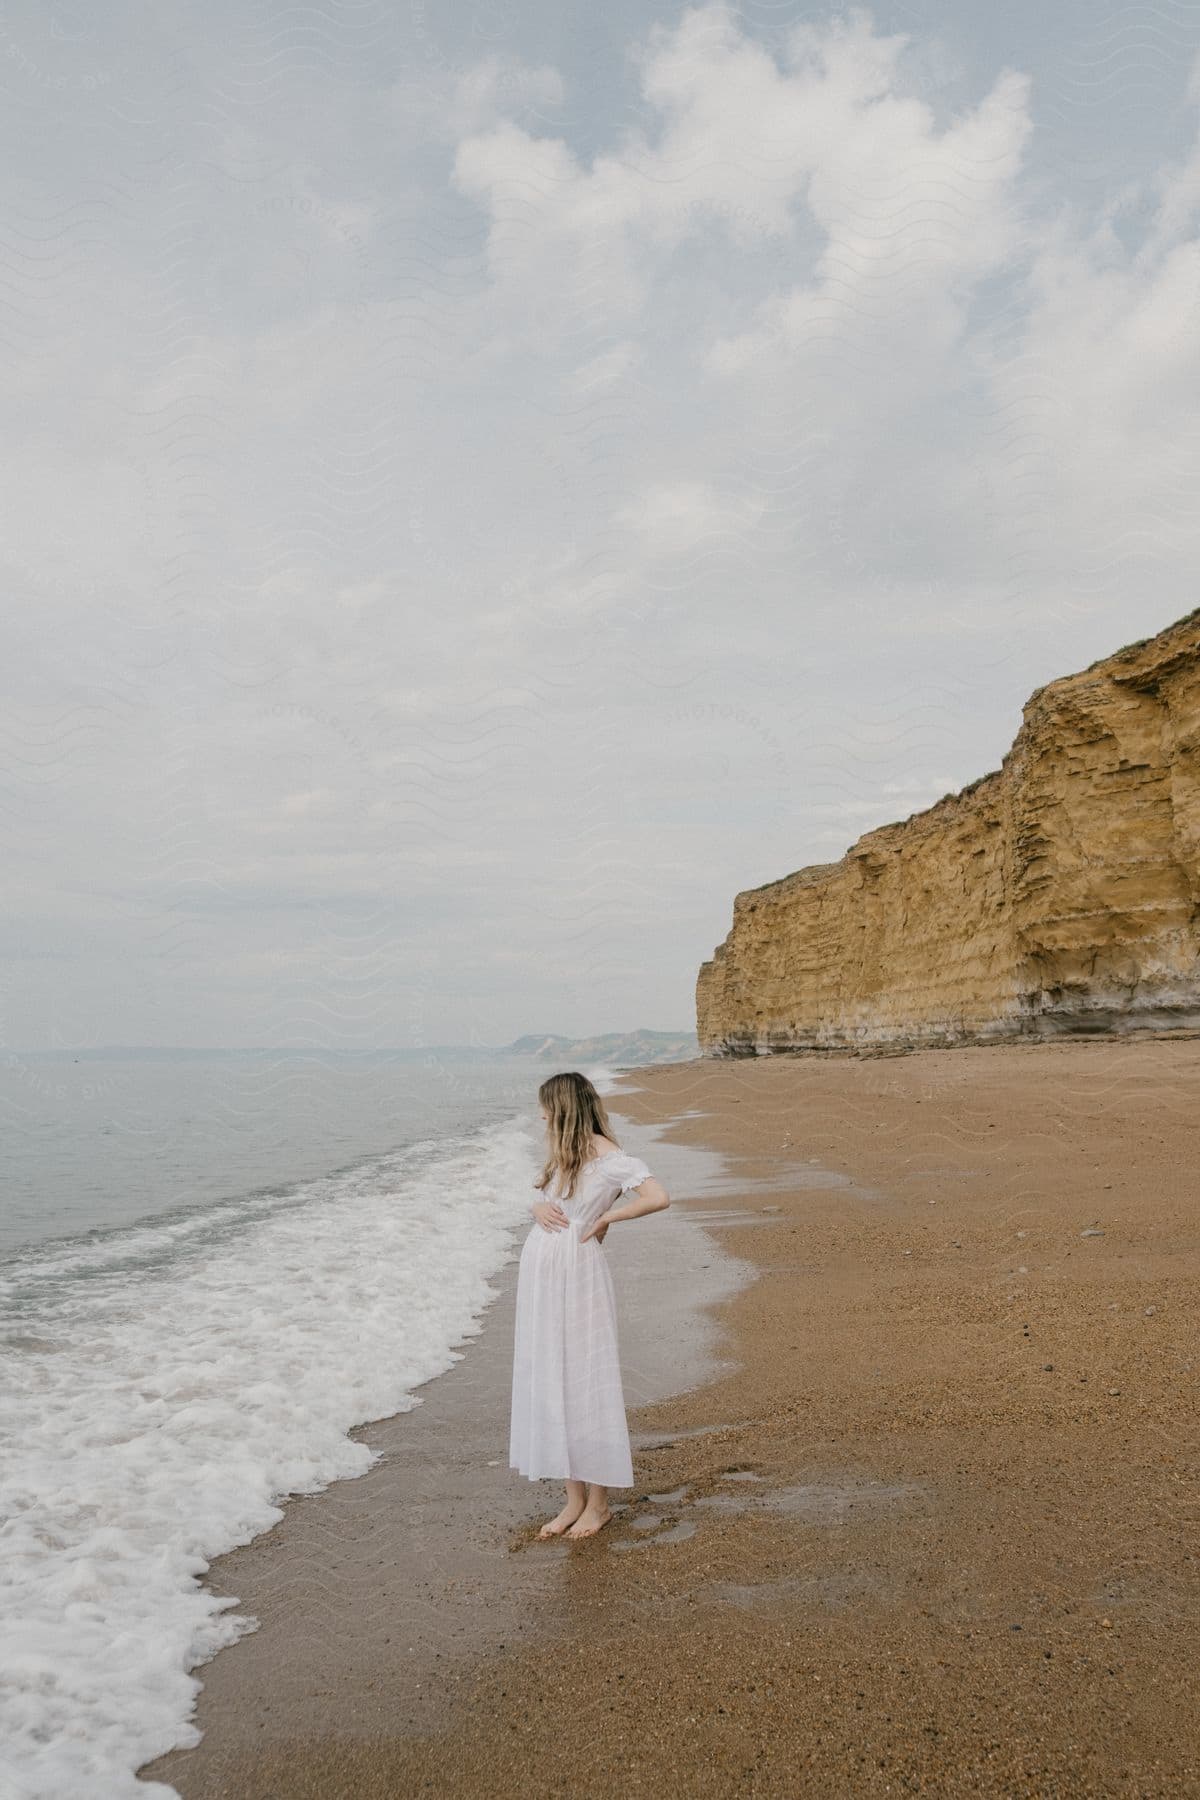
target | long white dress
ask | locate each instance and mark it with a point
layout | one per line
(568, 1407)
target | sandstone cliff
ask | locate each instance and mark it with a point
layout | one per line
(1061, 893)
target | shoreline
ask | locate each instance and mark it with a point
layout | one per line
(926, 1531)
(375, 1596)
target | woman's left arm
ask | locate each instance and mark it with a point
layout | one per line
(649, 1196)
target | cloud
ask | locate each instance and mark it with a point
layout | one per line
(601, 371)
(674, 517)
(742, 145)
(583, 495)
(499, 86)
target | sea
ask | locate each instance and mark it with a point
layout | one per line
(212, 1267)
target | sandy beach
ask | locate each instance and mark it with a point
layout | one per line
(924, 1521)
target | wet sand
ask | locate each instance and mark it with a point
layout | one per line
(929, 1528)
(375, 1598)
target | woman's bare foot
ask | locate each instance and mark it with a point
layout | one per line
(555, 1527)
(589, 1521)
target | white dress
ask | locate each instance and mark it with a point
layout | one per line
(568, 1408)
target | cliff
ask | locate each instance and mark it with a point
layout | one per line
(1059, 894)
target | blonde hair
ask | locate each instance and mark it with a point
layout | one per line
(576, 1115)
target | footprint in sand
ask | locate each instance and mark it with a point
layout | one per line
(675, 1534)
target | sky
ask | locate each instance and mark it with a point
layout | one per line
(484, 484)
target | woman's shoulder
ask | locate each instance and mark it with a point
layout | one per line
(618, 1165)
(602, 1147)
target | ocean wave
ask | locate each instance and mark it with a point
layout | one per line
(166, 1385)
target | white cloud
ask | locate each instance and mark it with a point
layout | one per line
(662, 477)
(601, 371)
(909, 213)
(499, 86)
(674, 517)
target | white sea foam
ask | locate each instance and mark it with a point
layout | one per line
(603, 1079)
(166, 1385)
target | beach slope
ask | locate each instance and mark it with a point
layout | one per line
(932, 1530)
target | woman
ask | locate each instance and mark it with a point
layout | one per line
(568, 1409)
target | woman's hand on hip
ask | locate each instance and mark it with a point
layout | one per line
(596, 1229)
(550, 1215)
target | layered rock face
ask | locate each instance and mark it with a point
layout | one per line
(1059, 894)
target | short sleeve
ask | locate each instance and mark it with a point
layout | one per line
(627, 1171)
